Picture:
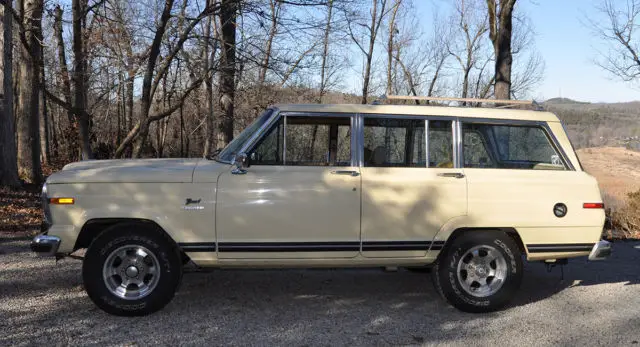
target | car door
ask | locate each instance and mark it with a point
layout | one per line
(407, 198)
(300, 196)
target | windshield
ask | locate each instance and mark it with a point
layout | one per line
(229, 152)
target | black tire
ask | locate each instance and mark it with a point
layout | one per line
(448, 279)
(169, 268)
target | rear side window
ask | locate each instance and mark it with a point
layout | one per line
(508, 147)
(391, 142)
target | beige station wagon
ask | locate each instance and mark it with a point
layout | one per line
(465, 192)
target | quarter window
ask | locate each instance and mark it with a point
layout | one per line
(508, 147)
(306, 140)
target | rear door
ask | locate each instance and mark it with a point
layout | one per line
(410, 184)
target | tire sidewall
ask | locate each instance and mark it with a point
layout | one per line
(109, 241)
(450, 287)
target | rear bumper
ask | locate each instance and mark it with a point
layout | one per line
(45, 245)
(601, 250)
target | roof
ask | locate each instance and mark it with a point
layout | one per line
(415, 110)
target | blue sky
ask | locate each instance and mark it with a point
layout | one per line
(568, 48)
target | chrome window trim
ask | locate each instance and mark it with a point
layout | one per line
(518, 122)
(275, 117)
(426, 141)
(284, 139)
(455, 143)
(258, 134)
(400, 116)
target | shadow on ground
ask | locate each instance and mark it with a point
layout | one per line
(43, 302)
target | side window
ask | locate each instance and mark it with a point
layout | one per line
(392, 142)
(440, 144)
(305, 140)
(268, 151)
(508, 147)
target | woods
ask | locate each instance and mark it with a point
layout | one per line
(98, 79)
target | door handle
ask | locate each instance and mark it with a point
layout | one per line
(452, 174)
(346, 172)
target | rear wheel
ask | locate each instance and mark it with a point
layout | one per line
(480, 271)
(131, 270)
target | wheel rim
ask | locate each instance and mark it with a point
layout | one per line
(131, 272)
(482, 271)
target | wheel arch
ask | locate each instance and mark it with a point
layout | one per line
(509, 231)
(93, 227)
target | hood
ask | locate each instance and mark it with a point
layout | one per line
(127, 170)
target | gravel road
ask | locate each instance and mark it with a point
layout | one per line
(42, 302)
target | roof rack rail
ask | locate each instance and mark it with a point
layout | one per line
(504, 103)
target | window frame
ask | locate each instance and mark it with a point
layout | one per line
(284, 115)
(553, 141)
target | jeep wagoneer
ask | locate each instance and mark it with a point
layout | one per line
(470, 192)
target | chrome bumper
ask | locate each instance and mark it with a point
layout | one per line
(601, 250)
(45, 245)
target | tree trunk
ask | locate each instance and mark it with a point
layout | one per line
(71, 134)
(28, 110)
(44, 129)
(208, 84)
(8, 159)
(274, 6)
(228, 13)
(325, 52)
(80, 78)
(390, 47)
(500, 30)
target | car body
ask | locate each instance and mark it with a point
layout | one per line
(348, 185)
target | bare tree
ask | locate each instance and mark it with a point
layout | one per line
(228, 15)
(468, 49)
(500, 32)
(29, 92)
(8, 159)
(390, 44)
(367, 44)
(617, 28)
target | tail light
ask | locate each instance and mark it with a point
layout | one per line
(593, 205)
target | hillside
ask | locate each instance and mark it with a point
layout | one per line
(599, 124)
(616, 169)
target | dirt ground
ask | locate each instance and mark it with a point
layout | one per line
(617, 170)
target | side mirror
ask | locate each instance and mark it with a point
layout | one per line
(241, 163)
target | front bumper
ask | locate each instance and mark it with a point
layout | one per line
(45, 245)
(600, 250)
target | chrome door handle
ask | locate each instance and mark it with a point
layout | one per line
(452, 174)
(346, 172)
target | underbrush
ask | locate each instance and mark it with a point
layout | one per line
(623, 219)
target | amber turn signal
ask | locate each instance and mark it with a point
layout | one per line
(62, 201)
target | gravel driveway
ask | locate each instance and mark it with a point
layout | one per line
(42, 302)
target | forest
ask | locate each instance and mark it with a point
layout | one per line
(98, 79)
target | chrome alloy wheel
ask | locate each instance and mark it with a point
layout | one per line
(482, 271)
(131, 272)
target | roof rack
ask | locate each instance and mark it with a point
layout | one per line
(503, 103)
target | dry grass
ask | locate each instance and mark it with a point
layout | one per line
(617, 170)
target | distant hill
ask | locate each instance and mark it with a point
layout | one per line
(599, 124)
(558, 101)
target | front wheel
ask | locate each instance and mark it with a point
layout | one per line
(131, 270)
(480, 271)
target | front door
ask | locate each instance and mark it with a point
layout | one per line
(300, 196)
(406, 198)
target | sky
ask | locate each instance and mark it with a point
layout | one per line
(567, 46)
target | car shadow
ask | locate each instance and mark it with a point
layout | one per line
(279, 307)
